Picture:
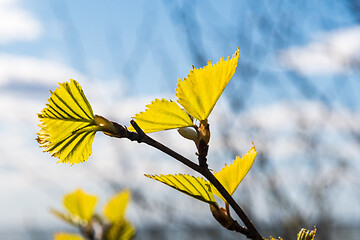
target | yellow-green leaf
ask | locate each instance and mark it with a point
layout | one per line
(67, 124)
(306, 234)
(67, 236)
(80, 204)
(201, 89)
(162, 115)
(231, 176)
(114, 210)
(121, 231)
(195, 187)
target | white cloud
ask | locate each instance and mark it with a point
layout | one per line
(30, 70)
(16, 23)
(330, 53)
(284, 128)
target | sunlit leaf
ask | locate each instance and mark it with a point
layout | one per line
(67, 236)
(162, 115)
(114, 210)
(201, 89)
(306, 234)
(121, 231)
(195, 187)
(80, 204)
(231, 176)
(67, 124)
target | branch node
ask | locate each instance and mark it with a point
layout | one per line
(139, 131)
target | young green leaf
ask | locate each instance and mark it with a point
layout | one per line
(231, 176)
(306, 234)
(199, 92)
(67, 124)
(195, 187)
(80, 204)
(114, 210)
(162, 115)
(67, 236)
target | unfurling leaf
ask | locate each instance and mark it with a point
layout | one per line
(68, 124)
(67, 236)
(80, 204)
(114, 210)
(162, 115)
(306, 234)
(201, 89)
(195, 187)
(231, 176)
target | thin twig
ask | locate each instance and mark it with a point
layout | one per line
(252, 232)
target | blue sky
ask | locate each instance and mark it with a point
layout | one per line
(125, 54)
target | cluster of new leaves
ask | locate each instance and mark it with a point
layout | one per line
(68, 126)
(80, 212)
(197, 94)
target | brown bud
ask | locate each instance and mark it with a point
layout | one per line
(220, 214)
(204, 131)
(105, 125)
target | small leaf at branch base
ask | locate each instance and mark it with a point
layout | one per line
(231, 176)
(162, 115)
(306, 234)
(195, 187)
(114, 210)
(80, 204)
(201, 89)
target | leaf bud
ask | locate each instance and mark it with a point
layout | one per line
(105, 125)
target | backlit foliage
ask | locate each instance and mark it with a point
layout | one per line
(68, 124)
(67, 130)
(197, 94)
(230, 177)
(80, 212)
